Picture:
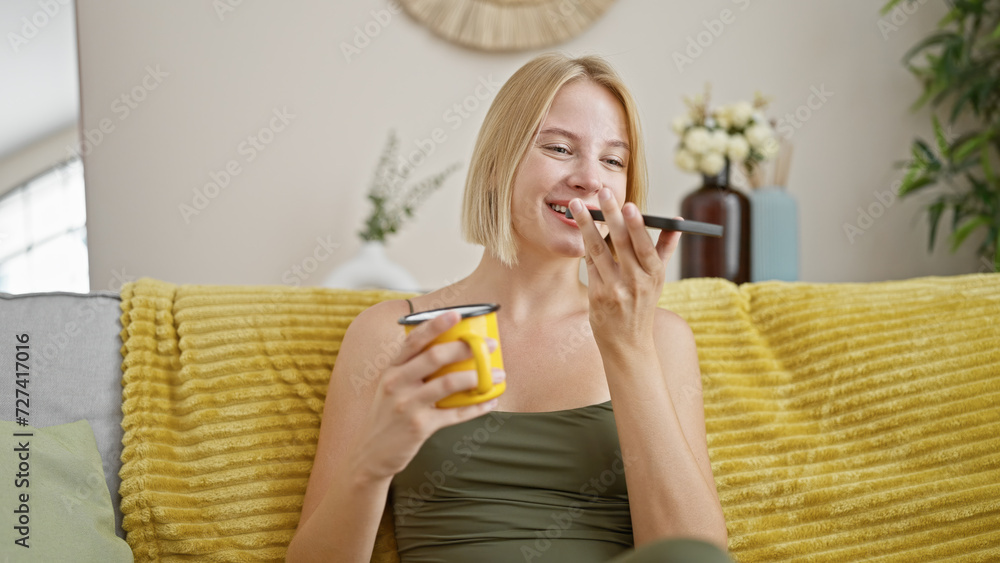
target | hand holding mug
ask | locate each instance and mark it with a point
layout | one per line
(478, 323)
(405, 410)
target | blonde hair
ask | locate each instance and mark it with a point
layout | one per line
(507, 132)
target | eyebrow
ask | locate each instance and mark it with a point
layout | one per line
(575, 137)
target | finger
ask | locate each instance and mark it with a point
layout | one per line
(425, 333)
(619, 230)
(642, 244)
(450, 383)
(458, 415)
(666, 245)
(438, 356)
(596, 251)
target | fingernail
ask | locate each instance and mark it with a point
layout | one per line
(629, 210)
(499, 376)
(575, 206)
(492, 344)
(491, 404)
(604, 194)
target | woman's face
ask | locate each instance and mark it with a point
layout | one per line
(581, 147)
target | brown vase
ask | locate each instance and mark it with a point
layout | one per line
(726, 257)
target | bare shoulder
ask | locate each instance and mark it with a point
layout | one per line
(371, 342)
(376, 323)
(372, 332)
(382, 311)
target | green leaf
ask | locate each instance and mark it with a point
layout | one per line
(964, 167)
(907, 188)
(979, 189)
(982, 99)
(966, 229)
(931, 92)
(923, 157)
(984, 161)
(951, 16)
(889, 6)
(996, 33)
(956, 214)
(934, 216)
(930, 41)
(913, 169)
(942, 143)
(925, 153)
(966, 148)
(959, 104)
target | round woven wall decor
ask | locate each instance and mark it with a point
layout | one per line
(506, 25)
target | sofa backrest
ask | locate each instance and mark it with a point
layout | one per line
(845, 421)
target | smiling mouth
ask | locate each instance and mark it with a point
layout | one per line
(558, 208)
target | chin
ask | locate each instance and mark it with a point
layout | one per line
(570, 250)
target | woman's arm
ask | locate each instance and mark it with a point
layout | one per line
(374, 422)
(344, 525)
(651, 365)
(661, 428)
(343, 504)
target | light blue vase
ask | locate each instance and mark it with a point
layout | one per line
(774, 237)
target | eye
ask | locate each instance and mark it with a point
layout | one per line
(558, 148)
(616, 162)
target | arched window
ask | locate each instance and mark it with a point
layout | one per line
(43, 233)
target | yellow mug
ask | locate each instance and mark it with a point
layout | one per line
(478, 322)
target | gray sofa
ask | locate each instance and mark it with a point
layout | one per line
(74, 365)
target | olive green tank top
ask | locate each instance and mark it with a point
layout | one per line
(508, 487)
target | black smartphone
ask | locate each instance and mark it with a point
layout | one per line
(665, 224)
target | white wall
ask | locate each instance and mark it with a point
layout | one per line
(211, 81)
(39, 96)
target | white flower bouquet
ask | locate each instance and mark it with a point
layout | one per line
(735, 132)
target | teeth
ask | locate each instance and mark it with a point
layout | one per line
(560, 208)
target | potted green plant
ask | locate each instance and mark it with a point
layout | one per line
(391, 205)
(959, 69)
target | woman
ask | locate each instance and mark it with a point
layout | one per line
(548, 470)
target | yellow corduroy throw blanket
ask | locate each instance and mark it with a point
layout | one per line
(845, 421)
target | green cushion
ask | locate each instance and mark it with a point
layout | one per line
(56, 504)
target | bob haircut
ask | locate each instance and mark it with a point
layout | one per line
(509, 129)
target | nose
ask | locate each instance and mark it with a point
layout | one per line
(586, 176)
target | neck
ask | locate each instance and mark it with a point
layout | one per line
(537, 288)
